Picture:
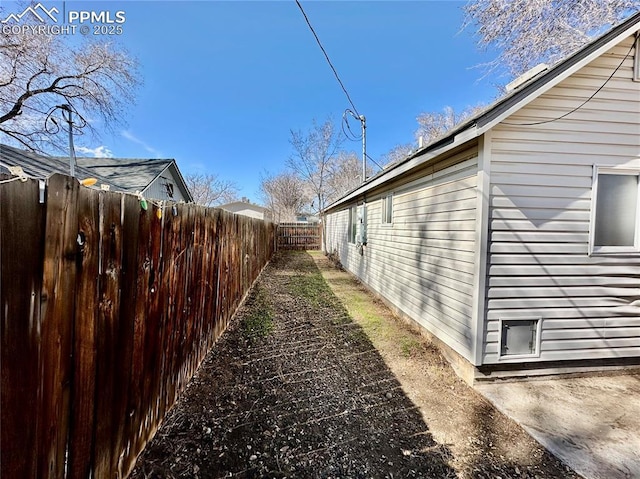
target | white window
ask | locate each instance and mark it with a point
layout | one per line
(615, 226)
(353, 224)
(387, 209)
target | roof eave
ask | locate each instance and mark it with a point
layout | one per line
(559, 72)
(505, 107)
(183, 185)
(183, 182)
(426, 154)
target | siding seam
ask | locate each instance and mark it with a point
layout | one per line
(482, 239)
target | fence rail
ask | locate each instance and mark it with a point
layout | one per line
(299, 236)
(107, 311)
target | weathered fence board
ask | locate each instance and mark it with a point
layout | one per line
(84, 359)
(21, 249)
(58, 307)
(108, 310)
(299, 236)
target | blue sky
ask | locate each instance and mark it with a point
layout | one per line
(226, 81)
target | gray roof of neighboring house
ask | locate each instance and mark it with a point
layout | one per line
(125, 174)
(251, 206)
(476, 125)
(35, 165)
(128, 175)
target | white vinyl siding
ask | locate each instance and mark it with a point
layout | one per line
(166, 187)
(423, 265)
(541, 211)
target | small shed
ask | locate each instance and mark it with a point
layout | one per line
(158, 179)
(514, 240)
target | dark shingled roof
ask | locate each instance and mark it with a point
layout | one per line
(129, 175)
(124, 174)
(35, 165)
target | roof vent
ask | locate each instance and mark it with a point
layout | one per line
(526, 76)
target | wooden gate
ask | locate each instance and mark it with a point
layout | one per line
(300, 236)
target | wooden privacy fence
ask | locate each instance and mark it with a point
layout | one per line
(300, 236)
(107, 310)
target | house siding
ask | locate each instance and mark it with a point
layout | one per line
(423, 262)
(540, 217)
(157, 189)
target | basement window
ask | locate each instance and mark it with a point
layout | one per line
(520, 338)
(615, 224)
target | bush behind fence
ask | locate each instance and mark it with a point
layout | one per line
(107, 311)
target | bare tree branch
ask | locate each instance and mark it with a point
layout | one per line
(397, 153)
(209, 190)
(345, 175)
(284, 195)
(38, 72)
(528, 32)
(433, 125)
(313, 157)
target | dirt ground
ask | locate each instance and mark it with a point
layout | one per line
(315, 378)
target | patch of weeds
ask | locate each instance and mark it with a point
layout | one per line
(409, 346)
(313, 288)
(258, 322)
(360, 307)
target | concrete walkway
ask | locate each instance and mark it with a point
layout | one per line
(592, 424)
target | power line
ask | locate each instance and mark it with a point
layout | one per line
(345, 121)
(327, 57)
(376, 163)
(542, 122)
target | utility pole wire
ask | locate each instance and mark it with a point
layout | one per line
(375, 162)
(327, 57)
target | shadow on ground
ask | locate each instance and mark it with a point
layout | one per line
(294, 388)
(484, 443)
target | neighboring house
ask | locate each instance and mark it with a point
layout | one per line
(245, 208)
(155, 179)
(515, 239)
(307, 218)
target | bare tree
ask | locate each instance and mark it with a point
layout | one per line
(397, 153)
(40, 71)
(528, 32)
(284, 195)
(313, 159)
(209, 190)
(432, 126)
(345, 175)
